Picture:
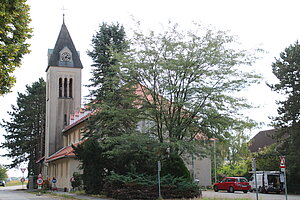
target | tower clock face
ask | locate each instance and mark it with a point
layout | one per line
(66, 57)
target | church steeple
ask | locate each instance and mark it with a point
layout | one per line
(64, 53)
(63, 90)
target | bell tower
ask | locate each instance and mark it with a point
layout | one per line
(63, 90)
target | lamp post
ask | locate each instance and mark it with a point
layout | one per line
(215, 159)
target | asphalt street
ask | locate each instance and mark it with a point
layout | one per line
(250, 195)
(16, 193)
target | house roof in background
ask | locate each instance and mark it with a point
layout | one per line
(262, 139)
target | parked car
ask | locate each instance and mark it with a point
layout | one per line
(2, 183)
(232, 184)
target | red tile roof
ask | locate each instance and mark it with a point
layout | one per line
(76, 122)
(67, 151)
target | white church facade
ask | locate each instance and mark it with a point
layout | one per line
(65, 118)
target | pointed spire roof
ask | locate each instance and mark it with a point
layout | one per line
(64, 43)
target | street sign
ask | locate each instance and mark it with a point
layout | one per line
(23, 170)
(282, 162)
(39, 181)
(54, 180)
(253, 164)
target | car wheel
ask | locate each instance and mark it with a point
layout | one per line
(245, 191)
(216, 189)
(231, 190)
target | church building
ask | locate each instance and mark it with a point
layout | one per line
(65, 118)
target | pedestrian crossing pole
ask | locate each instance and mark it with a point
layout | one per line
(283, 167)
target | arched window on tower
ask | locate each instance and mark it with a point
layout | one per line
(60, 87)
(65, 119)
(70, 88)
(65, 87)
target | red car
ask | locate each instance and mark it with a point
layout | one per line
(232, 184)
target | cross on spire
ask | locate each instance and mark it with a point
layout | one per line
(63, 9)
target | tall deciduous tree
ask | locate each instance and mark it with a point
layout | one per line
(14, 31)
(287, 70)
(188, 79)
(25, 131)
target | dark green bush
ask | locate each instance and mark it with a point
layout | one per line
(175, 166)
(76, 182)
(141, 186)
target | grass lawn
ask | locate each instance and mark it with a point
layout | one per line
(12, 183)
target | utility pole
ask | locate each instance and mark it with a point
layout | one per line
(215, 158)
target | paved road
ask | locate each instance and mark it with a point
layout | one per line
(238, 194)
(16, 193)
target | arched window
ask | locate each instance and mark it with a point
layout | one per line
(70, 87)
(65, 120)
(60, 87)
(65, 87)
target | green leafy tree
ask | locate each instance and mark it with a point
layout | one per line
(25, 131)
(286, 69)
(188, 80)
(267, 159)
(105, 79)
(111, 93)
(14, 31)
(112, 99)
(3, 172)
(233, 154)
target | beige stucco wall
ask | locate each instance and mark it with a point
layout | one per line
(200, 168)
(57, 107)
(63, 170)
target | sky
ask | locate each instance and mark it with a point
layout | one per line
(271, 25)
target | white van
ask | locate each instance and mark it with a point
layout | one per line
(268, 181)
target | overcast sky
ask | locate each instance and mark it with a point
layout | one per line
(270, 24)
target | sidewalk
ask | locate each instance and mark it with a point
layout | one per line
(83, 197)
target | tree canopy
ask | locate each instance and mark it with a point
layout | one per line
(14, 31)
(188, 81)
(115, 114)
(165, 88)
(286, 68)
(25, 130)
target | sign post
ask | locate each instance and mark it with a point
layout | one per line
(23, 179)
(254, 169)
(158, 177)
(40, 182)
(283, 167)
(54, 184)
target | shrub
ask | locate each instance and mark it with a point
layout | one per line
(76, 182)
(175, 166)
(141, 186)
